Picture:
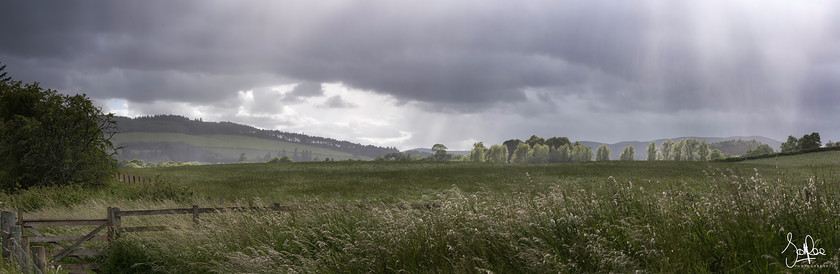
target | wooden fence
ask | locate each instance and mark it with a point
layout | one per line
(19, 232)
(128, 178)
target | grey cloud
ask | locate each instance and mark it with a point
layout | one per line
(336, 102)
(453, 57)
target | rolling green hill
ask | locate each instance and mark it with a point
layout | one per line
(813, 159)
(225, 148)
(176, 138)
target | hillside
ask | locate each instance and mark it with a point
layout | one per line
(176, 138)
(820, 159)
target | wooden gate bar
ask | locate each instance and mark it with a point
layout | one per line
(66, 222)
(69, 249)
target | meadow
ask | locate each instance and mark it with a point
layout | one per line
(492, 218)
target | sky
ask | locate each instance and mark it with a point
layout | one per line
(411, 74)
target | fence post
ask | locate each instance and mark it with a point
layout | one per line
(7, 220)
(16, 246)
(195, 214)
(114, 223)
(24, 243)
(40, 258)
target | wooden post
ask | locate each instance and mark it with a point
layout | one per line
(23, 249)
(114, 223)
(40, 258)
(15, 246)
(195, 214)
(7, 220)
(24, 242)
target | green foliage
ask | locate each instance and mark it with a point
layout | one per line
(3, 78)
(539, 154)
(581, 153)
(810, 141)
(807, 142)
(511, 147)
(628, 154)
(534, 140)
(734, 147)
(703, 151)
(665, 151)
(556, 142)
(603, 153)
(521, 154)
(792, 144)
(284, 159)
(498, 154)
(478, 153)
(52, 139)
(560, 154)
(677, 150)
(397, 156)
(761, 149)
(716, 154)
(651, 151)
(440, 153)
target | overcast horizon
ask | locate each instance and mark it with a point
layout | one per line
(411, 74)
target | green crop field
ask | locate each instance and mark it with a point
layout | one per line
(582, 217)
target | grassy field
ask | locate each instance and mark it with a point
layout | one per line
(229, 145)
(583, 217)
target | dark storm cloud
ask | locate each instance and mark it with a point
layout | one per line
(662, 57)
(465, 52)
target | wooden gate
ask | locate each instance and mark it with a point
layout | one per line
(63, 246)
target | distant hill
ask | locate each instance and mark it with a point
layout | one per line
(641, 153)
(177, 138)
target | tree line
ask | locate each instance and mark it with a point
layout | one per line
(537, 150)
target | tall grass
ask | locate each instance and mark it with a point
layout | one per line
(737, 221)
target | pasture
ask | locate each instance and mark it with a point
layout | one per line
(590, 217)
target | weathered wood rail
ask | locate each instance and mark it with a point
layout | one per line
(128, 178)
(13, 228)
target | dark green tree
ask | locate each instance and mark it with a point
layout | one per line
(511, 147)
(50, 138)
(651, 151)
(478, 153)
(440, 153)
(792, 144)
(284, 159)
(534, 140)
(603, 153)
(629, 154)
(761, 149)
(556, 142)
(810, 141)
(3, 77)
(716, 154)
